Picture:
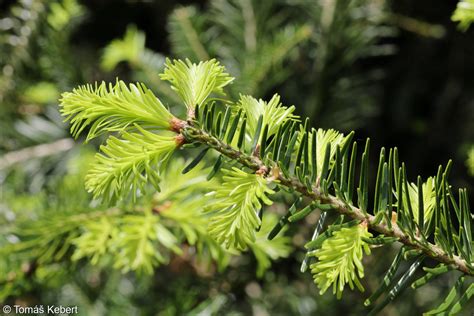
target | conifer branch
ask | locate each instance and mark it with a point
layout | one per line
(275, 150)
(193, 134)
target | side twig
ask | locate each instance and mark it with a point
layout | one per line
(38, 151)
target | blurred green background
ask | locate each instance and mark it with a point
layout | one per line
(399, 72)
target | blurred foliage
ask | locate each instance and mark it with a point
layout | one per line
(36, 63)
(358, 64)
(464, 14)
(470, 161)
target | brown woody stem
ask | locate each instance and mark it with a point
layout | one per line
(433, 251)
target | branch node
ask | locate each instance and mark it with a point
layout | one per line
(176, 125)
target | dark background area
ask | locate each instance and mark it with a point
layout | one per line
(428, 110)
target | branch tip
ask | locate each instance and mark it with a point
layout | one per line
(176, 125)
(191, 114)
(180, 140)
(262, 170)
